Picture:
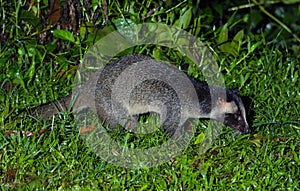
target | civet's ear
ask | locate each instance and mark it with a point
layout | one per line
(227, 107)
(235, 90)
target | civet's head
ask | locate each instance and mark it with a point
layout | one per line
(232, 112)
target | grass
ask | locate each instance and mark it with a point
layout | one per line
(56, 157)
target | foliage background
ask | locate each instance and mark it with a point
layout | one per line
(256, 44)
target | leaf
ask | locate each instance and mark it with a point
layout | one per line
(239, 36)
(223, 37)
(185, 19)
(244, 79)
(254, 46)
(238, 40)
(31, 18)
(30, 72)
(230, 48)
(18, 79)
(64, 35)
(200, 138)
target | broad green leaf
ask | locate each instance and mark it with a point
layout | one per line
(230, 48)
(223, 37)
(185, 19)
(64, 35)
(197, 23)
(239, 36)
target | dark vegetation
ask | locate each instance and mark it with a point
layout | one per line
(255, 43)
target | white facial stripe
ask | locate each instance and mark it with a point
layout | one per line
(242, 108)
(229, 107)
